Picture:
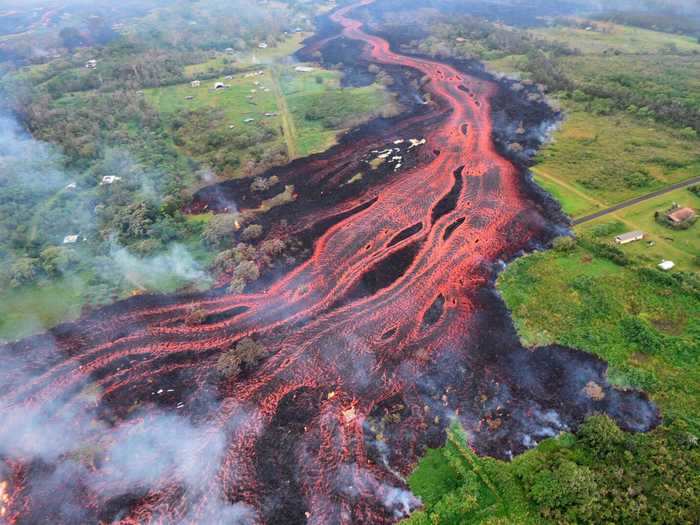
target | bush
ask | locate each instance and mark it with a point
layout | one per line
(564, 244)
(219, 230)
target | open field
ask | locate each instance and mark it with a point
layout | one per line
(641, 321)
(279, 101)
(49, 305)
(613, 37)
(595, 161)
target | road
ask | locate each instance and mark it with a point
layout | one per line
(636, 200)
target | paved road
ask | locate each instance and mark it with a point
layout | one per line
(636, 200)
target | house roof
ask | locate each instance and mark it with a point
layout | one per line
(682, 214)
(630, 236)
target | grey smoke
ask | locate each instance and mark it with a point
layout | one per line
(157, 270)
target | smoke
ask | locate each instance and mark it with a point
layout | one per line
(169, 270)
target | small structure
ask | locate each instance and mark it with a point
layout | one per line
(70, 239)
(249, 120)
(196, 83)
(667, 265)
(270, 114)
(629, 237)
(91, 64)
(219, 85)
(110, 179)
(681, 215)
(229, 50)
(303, 69)
(262, 45)
(189, 97)
(71, 186)
(228, 77)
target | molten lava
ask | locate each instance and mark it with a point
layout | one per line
(389, 331)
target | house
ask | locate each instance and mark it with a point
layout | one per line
(627, 238)
(71, 186)
(681, 215)
(229, 50)
(249, 120)
(196, 83)
(303, 69)
(70, 239)
(91, 64)
(219, 85)
(262, 45)
(667, 265)
(110, 179)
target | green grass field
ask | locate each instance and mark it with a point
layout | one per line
(32, 309)
(284, 92)
(595, 161)
(614, 37)
(583, 301)
(680, 246)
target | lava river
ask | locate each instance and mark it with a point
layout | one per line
(386, 334)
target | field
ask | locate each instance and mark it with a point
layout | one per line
(641, 321)
(608, 37)
(241, 60)
(595, 161)
(49, 305)
(279, 101)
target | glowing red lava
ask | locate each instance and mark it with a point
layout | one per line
(120, 419)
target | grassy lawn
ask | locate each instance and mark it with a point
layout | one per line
(680, 246)
(288, 95)
(32, 309)
(304, 91)
(596, 161)
(586, 302)
(614, 37)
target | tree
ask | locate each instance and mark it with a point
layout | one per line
(219, 230)
(23, 271)
(254, 231)
(57, 259)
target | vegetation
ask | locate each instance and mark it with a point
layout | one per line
(640, 320)
(602, 475)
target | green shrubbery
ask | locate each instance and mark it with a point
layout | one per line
(600, 476)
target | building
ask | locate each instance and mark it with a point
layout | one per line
(70, 239)
(196, 83)
(91, 64)
(262, 45)
(110, 179)
(681, 215)
(219, 85)
(303, 69)
(667, 265)
(629, 237)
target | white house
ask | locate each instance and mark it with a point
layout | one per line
(196, 83)
(70, 239)
(627, 238)
(303, 69)
(262, 45)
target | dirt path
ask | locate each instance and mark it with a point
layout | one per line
(288, 127)
(572, 189)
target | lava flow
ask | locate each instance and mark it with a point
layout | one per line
(387, 333)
